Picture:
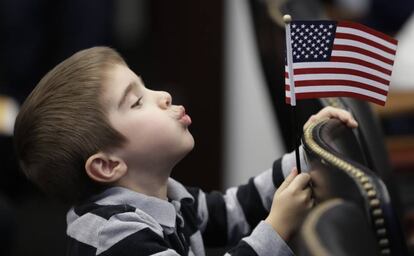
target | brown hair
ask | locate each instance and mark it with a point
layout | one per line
(63, 122)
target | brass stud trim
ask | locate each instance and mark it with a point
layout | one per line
(374, 202)
(379, 222)
(371, 193)
(377, 212)
(381, 232)
(367, 186)
(359, 177)
(383, 242)
(385, 252)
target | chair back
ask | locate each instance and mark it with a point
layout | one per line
(339, 171)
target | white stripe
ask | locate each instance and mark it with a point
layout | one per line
(202, 210)
(196, 244)
(364, 34)
(71, 216)
(335, 88)
(307, 77)
(341, 65)
(168, 252)
(340, 41)
(289, 64)
(265, 241)
(362, 57)
(86, 229)
(122, 225)
(265, 187)
(289, 161)
(237, 225)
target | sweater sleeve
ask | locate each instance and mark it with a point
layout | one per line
(263, 241)
(224, 219)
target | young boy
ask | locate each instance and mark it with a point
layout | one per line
(93, 135)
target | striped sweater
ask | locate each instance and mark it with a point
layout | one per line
(123, 222)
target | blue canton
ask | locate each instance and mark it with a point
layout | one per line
(312, 40)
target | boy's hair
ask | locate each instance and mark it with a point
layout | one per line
(63, 122)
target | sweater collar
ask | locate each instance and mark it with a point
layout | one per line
(164, 212)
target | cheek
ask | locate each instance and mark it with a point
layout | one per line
(154, 134)
(147, 130)
(152, 137)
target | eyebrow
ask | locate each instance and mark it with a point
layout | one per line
(129, 88)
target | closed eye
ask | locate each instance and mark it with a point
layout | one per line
(137, 103)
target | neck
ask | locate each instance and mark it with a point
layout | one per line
(150, 183)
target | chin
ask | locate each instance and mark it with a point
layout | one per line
(187, 146)
(181, 156)
(181, 149)
(192, 142)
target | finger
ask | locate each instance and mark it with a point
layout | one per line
(341, 114)
(345, 117)
(307, 194)
(330, 112)
(311, 120)
(288, 179)
(300, 182)
(307, 199)
(311, 203)
(351, 122)
(326, 112)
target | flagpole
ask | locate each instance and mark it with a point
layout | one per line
(295, 138)
(287, 19)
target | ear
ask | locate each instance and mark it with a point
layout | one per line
(105, 168)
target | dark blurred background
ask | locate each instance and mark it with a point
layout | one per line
(180, 46)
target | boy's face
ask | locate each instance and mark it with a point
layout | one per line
(156, 131)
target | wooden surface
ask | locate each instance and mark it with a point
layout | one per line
(397, 102)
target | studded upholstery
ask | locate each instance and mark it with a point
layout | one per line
(339, 172)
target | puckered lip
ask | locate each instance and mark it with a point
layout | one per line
(183, 117)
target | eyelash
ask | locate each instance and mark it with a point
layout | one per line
(137, 103)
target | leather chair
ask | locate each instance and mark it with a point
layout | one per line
(320, 231)
(368, 134)
(339, 171)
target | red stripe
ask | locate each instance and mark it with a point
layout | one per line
(351, 48)
(287, 87)
(368, 30)
(303, 71)
(364, 40)
(340, 82)
(311, 95)
(360, 62)
(286, 74)
(287, 100)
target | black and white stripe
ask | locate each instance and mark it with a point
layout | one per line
(122, 222)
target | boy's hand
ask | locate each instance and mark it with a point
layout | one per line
(331, 112)
(290, 203)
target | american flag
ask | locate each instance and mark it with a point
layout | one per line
(338, 59)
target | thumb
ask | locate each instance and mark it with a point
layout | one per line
(288, 179)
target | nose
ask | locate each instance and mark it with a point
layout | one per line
(165, 99)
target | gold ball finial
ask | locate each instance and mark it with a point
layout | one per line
(287, 18)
